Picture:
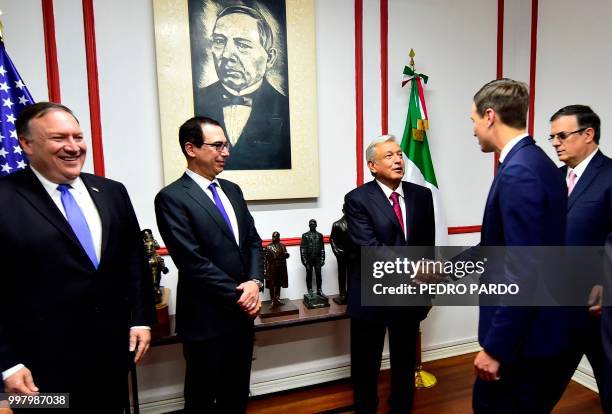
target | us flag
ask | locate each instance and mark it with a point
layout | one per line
(14, 96)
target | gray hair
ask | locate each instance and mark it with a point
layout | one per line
(371, 150)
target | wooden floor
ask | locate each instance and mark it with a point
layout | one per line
(452, 395)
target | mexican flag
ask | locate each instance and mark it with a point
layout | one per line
(419, 165)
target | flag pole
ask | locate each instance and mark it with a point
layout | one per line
(1, 29)
(422, 378)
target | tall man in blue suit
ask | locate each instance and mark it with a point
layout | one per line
(385, 212)
(212, 239)
(575, 132)
(525, 207)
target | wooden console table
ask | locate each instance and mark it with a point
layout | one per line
(305, 317)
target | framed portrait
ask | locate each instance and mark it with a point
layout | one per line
(251, 66)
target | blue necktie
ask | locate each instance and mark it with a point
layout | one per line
(77, 221)
(219, 204)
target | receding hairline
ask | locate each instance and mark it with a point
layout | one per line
(26, 132)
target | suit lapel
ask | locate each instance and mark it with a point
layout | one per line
(587, 178)
(197, 194)
(101, 201)
(33, 191)
(382, 204)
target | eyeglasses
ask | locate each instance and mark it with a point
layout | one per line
(562, 136)
(219, 146)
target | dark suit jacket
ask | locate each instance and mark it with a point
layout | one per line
(58, 312)
(525, 207)
(372, 222)
(210, 262)
(265, 140)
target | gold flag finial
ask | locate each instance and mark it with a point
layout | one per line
(1, 29)
(412, 55)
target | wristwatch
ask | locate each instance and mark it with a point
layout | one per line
(259, 284)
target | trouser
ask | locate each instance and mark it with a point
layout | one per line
(217, 373)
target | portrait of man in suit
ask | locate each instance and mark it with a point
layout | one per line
(525, 206)
(575, 133)
(385, 212)
(245, 84)
(211, 237)
(72, 255)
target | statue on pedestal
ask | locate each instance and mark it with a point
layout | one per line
(312, 251)
(275, 269)
(341, 245)
(156, 263)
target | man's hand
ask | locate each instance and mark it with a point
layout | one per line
(21, 382)
(595, 300)
(4, 408)
(140, 339)
(486, 367)
(249, 300)
(425, 273)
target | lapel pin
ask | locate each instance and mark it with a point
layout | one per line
(95, 189)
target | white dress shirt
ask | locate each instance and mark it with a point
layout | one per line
(402, 203)
(204, 183)
(508, 147)
(580, 168)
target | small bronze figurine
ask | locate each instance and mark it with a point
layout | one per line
(156, 263)
(275, 269)
(312, 253)
(341, 246)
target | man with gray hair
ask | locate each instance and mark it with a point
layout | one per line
(252, 113)
(385, 212)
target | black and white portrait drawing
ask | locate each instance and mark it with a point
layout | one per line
(239, 68)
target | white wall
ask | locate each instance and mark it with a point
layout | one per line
(455, 43)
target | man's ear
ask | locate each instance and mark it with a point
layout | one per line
(371, 166)
(272, 56)
(25, 145)
(490, 115)
(589, 135)
(189, 149)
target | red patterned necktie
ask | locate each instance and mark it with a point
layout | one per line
(396, 208)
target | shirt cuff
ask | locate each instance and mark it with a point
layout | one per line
(11, 371)
(141, 327)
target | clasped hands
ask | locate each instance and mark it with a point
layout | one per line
(249, 301)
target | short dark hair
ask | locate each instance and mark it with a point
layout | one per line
(191, 131)
(37, 110)
(508, 98)
(266, 37)
(585, 116)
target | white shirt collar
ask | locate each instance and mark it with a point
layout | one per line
(508, 147)
(388, 191)
(582, 166)
(245, 91)
(203, 182)
(77, 184)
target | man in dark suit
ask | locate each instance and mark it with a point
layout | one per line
(252, 113)
(212, 239)
(385, 212)
(606, 325)
(525, 207)
(73, 258)
(575, 132)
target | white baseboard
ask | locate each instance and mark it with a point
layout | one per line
(313, 378)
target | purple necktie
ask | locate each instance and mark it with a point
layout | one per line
(398, 211)
(77, 221)
(219, 204)
(571, 182)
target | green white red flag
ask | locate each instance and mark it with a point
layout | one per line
(415, 145)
